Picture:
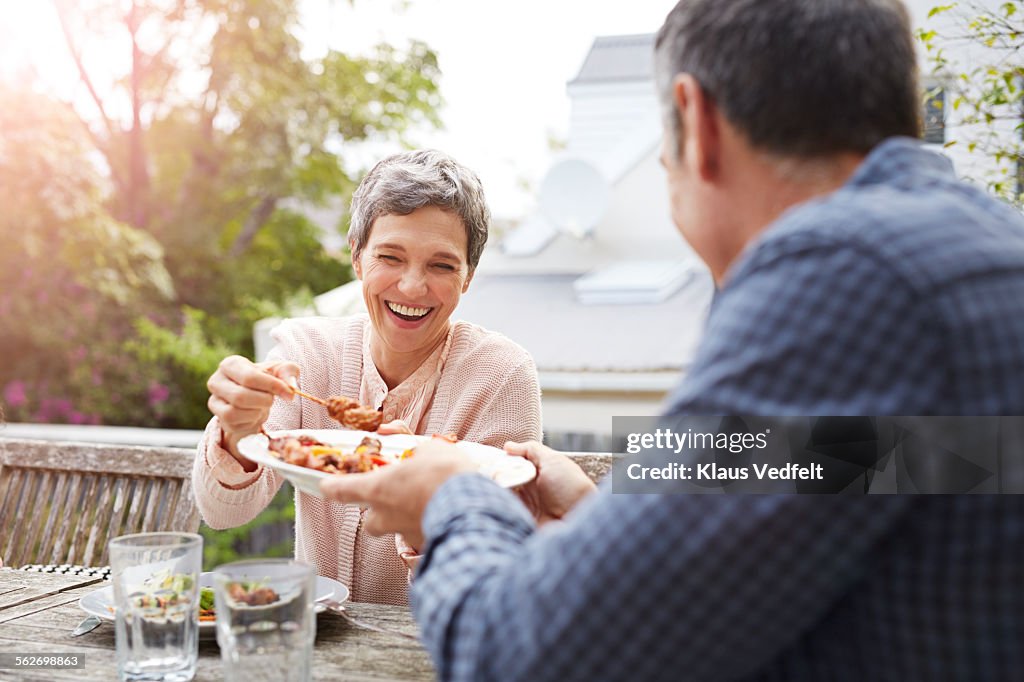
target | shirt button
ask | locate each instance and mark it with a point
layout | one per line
(389, 416)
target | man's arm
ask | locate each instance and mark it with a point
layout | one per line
(633, 587)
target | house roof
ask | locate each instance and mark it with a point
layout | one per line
(618, 58)
(541, 313)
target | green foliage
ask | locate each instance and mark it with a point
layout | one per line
(986, 94)
(147, 231)
(72, 278)
(271, 534)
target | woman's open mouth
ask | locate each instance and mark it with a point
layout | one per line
(407, 313)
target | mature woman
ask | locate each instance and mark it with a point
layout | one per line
(419, 225)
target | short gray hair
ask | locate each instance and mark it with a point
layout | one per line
(401, 183)
(799, 78)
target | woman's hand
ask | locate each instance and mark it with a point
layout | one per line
(393, 427)
(409, 555)
(241, 393)
(560, 482)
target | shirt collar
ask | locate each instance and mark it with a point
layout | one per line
(899, 160)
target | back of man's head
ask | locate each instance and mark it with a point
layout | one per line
(799, 78)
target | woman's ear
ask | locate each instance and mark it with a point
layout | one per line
(357, 263)
(469, 278)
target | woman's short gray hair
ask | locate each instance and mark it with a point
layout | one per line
(402, 183)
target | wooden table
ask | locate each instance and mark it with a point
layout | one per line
(38, 611)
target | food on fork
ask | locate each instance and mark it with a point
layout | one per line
(351, 414)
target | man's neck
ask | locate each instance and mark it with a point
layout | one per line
(770, 186)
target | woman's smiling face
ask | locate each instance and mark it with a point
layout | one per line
(414, 270)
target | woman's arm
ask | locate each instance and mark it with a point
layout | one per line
(231, 491)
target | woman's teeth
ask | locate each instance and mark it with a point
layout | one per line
(407, 311)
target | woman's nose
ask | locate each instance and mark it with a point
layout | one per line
(413, 283)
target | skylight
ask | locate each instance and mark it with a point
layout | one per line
(633, 282)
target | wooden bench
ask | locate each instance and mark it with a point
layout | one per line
(61, 502)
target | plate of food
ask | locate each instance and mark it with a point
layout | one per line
(100, 603)
(305, 457)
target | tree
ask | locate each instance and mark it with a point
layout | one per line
(206, 168)
(72, 278)
(974, 51)
(194, 167)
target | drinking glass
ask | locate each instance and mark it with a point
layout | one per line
(265, 620)
(156, 599)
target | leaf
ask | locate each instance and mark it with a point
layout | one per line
(939, 9)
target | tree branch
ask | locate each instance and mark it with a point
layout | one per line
(256, 220)
(138, 166)
(83, 74)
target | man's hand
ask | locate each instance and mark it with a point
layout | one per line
(560, 483)
(398, 494)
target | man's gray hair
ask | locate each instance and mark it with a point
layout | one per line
(799, 78)
(401, 183)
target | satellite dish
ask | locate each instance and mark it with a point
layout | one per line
(573, 197)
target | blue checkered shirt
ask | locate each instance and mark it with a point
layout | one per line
(903, 294)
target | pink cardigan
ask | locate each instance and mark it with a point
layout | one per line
(487, 392)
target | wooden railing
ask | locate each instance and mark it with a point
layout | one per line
(61, 501)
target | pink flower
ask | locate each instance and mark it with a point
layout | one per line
(158, 394)
(78, 354)
(14, 394)
(77, 417)
(54, 408)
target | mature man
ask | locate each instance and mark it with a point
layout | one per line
(856, 276)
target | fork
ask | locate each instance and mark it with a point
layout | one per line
(338, 608)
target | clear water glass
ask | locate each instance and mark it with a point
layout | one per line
(156, 598)
(265, 620)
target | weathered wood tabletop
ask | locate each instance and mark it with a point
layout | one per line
(38, 612)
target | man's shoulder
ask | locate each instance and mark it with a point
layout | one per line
(928, 235)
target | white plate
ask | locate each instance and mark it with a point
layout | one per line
(504, 469)
(100, 603)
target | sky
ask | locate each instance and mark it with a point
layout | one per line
(505, 66)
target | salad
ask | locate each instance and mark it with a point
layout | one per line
(206, 605)
(163, 595)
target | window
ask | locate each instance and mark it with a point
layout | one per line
(934, 116)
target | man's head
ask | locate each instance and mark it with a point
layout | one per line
(789, 80)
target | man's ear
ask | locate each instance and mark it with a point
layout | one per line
(701, 140)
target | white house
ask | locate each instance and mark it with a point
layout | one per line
(597, 284)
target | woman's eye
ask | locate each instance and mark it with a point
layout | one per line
(445, 266)
(387, 258)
